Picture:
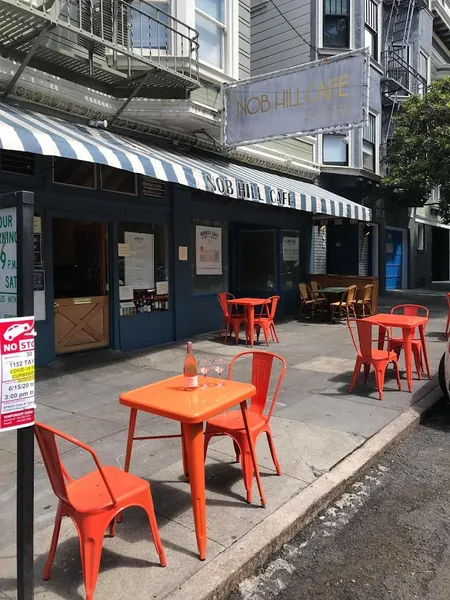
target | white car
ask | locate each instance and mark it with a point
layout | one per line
(15, 330)
(444, 372)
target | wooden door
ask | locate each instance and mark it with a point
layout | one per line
(81, 324)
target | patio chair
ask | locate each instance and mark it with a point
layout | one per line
(367, 354)
(231, 322)
(316, 290)
(92, 502)
(396, 343)
(231, 423)
(346, 304)
(266, 320)
(364, 302)
(309, 302)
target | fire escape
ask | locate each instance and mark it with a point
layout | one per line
(400, 80)
(125, 48)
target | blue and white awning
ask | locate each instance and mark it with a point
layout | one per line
(27, 131)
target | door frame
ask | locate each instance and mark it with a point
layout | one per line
(405, 254)
(49, 215)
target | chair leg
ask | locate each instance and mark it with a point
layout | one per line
(258, 332)
(247, 471)
(266, 334)
(380, 374)
(274, 333)
(272, 452)
(366, 372)
(236, 327)
(447, 327)
(356, 372)
(54, 544)
(150, 510)
(91, 541)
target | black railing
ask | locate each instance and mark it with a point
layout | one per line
(400, 71)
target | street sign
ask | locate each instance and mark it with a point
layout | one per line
(16, 373)
(323, 96)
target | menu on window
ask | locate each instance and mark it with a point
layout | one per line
(208, 246)
(140, 263)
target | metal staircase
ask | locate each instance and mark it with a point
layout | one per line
(121, 47)
(400, 80)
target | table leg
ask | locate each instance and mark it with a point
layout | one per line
(193, 440)
(252, 452)
(407, 346)
(251, 324)
(131, 429)
(424, 349)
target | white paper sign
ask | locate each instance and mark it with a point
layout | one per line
(291, 246)
(140, 264)
(162, 288)
(126, 292)
(8, 263)
(208, 248)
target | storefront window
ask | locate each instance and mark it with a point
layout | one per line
(143, 268)
(209, 257)
(74, 172)
(257, 264)
(38, 270)
(290, 259)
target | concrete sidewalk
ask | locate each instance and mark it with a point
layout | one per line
(316, 425)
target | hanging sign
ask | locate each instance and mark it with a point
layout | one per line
(8, 262)
(208, 247)
(17, 373)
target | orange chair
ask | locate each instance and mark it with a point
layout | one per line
(92, 502)
(367, 355)
(266, 320)
(231, 424)
(447, 326)
(396, 344)
(230, 321)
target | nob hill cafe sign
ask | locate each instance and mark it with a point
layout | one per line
(319, 97)
(235, 188)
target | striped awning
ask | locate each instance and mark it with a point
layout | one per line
(27, 131)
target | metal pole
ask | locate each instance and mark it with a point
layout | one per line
(24, 204)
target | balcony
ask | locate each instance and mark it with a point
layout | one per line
(123, 48)
(441, 20)
(400, 79)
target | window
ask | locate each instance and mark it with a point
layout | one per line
(150, 32)
(335, 149)
(257, 265)
(290, 259)
(201, 258)
(21, 163)
(369, 144)
(143, 252)
(371, 28)
(117, 180)
(74, 172)
(210, 24)
(336, 24)
(420, 236)
(423, 71)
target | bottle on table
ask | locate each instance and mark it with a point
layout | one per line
(190, 370)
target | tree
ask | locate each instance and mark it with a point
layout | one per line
(418, 156)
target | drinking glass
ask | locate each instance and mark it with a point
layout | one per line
(219, 365)
(204, 365)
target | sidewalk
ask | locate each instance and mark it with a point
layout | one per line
(316, 425)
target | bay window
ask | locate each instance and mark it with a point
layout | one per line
(336, 23)
(210, 21)
(335, 149)
(371, 28)
(369, 144)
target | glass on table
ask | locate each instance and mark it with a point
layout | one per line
(219, 365)
(204, 365)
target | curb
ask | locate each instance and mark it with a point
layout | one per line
(217, 578)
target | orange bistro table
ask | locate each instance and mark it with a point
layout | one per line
(249, 305)
(169, 399)
(408, 326)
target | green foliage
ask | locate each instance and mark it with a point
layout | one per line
(418, 156)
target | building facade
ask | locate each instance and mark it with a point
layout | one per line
(110, 114)
(398, 34)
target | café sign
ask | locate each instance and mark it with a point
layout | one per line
(322, 96)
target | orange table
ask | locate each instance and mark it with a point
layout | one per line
(407, 325)
(249, 305)
(168, 398)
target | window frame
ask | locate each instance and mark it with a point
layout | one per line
(423, 54)
(324, 15)
(223, 39)
(159, 50)
(334, 163)
(421, 237)
(372, 26)
(372, 141)
(102, 189)
(74, 185)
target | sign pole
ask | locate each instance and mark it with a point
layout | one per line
(23, 202)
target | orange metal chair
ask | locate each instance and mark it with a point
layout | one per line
(396, 344)
(367, 355)
(266, 320)
(231, 424)
(447, 326)
(230, 321)
(92, 502)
